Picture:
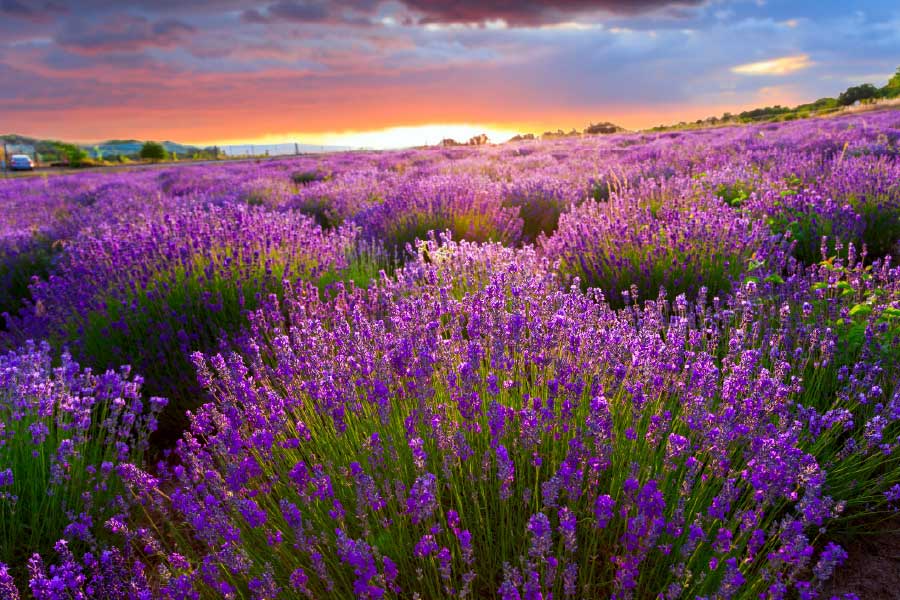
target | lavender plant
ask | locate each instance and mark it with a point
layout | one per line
(148, 293)
(522, 441)
(471, 210)
(621, 366)
(654, 237)
(64, 432)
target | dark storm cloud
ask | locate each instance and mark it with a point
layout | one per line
(30, 11)
(14, 8)
(531, 12)
(350, 12)
(513, 12)
(253, 16)
(123, 33)
(300, 11)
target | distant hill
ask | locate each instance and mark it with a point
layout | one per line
(50, 150)
(40, 146)
(132, 147)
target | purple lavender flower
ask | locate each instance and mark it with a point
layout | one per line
(541, 535)
(505, 471)
(8, 590)
(831, 557)
(568, 523)
(603, 510)
(422, 500)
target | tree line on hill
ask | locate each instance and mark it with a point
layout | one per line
(57, 153)
(864, 93)
(603, 128)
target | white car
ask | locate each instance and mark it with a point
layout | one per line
(21, 162)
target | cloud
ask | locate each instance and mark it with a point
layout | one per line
(351, 12)
(534, 12)
(300, 11)
(15, 8)
(91, 68)
(251, 15)
(528, 13)
(776, 66)
(123, 33)
(22, 11)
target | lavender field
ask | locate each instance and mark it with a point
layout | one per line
(627, 366)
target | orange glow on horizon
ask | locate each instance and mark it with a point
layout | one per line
(404, 136)
(383, 129)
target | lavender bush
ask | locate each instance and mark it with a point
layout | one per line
(654, 237)
(627, 366)
(64, 432)
(523, 441)
(149, 292)
(470, 210)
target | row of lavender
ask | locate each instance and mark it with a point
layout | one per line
(526, 415)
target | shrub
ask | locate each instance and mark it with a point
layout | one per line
(857, 201)
(857, 93)
(469, 423)
(341, 197)
(469, 210)
(153, 151)
(32, 258)
(267, 192)
(645, 241)
(63, 434)
(307, 177)
(540, 204)
(321, 209)
(521, 439)
(76, 156)
(148, 293)
(734, 194)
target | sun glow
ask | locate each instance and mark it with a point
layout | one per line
(392, 137)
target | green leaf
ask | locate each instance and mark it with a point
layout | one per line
(755, 264)
(774, 279)
(860, 310)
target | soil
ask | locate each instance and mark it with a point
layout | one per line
(872, 569)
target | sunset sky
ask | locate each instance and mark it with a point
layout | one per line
(381, 73)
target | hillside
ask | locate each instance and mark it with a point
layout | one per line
(133, 147)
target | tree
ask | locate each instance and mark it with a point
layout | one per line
(153, 151)
(74, 155)
(892, 89)
(854, 94)
(894, 82)
(602, 128)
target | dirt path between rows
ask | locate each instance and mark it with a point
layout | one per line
(872, 570)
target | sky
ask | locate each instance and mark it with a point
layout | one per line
(402, 72)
